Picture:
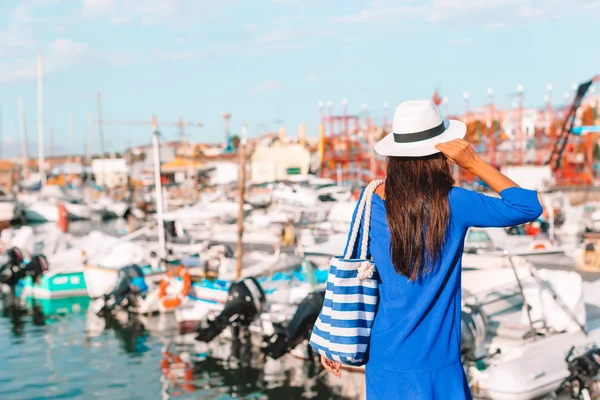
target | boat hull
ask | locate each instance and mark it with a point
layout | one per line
(58, 286)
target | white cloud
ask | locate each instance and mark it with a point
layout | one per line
(120, 19)
(281, 34)
(155, 11)
(45, 3)
(292, 33)
(381, 12)
(492, 26)
(485, 12)
(313, 77)
(59, 55)
(19, 35)
(99, 7)
(267, 86)
(460, 42)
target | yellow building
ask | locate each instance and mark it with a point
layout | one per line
(278, 162)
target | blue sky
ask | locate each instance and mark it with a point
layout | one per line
(269, 60)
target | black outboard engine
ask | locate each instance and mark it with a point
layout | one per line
(285, 339)
(473, 324)
(16, 268)
(583, 371)
(130, 283)
(170, 230)
(244, 303)
(37, 267)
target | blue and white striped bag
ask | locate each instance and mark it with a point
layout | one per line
(343, 328)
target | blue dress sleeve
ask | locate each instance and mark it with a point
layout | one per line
(515, 206)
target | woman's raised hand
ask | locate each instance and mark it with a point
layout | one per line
(331, 366)
(460, 152)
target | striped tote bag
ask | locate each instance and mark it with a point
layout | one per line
(343, 328)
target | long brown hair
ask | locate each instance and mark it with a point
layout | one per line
(418, 213)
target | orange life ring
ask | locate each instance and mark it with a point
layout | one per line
(172, 302)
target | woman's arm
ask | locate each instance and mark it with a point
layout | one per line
(462, 154)
(515, 205)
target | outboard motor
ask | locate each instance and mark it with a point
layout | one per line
(170, 230)
(581, 383)
(244, 303)
(16, 268)
(285, 339)
(473, 324)
(130, 283)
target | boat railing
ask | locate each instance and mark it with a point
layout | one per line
(532, 273)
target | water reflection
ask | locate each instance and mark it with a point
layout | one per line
(16, 311)
(62, 349)
(237, 370)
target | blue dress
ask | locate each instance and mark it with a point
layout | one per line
(414, 351)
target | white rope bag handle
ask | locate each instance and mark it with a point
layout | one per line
(364, 211)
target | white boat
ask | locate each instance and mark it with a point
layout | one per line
(40, 211)
(109, 208)
(527, 343)
(7, 213)
(43, 206)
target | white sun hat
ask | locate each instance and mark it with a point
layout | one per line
(417, 128)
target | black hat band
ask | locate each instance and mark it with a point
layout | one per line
(419, 136)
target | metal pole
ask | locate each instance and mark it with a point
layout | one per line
(242, 189)
(492, 139)
(522, 140)
(372, 152)
(89, 139)
(40, 107)
(551, 217)
(158, 191)
(1, 145)
(70, 126)
(100, 129)
(24, 155)
(557, 299)
(525, 304)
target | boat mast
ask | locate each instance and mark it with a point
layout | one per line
(158, 191)
(22, 127)
(40, 106)
(89, 139)
(101, 134)
(242, 190)
(70, 125)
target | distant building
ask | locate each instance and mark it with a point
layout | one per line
(8, 174)
(110, 172)
(278, 162)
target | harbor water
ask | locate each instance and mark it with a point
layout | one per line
(59, 349)
(56, 350)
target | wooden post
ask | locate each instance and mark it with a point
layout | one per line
(242, 190)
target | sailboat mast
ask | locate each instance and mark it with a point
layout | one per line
(158, 191)
(89, 139)
(70, 126)
(24, 155)
(40, 107)
(242, 189)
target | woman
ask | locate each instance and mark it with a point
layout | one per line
(418, 225)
